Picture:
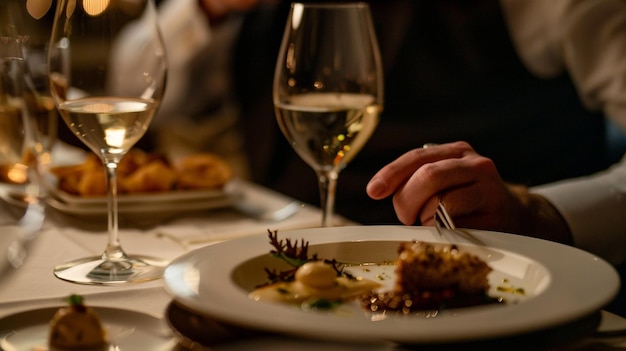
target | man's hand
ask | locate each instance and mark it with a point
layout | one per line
(471, 189)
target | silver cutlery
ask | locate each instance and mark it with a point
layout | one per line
(443, 218)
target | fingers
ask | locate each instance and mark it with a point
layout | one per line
(469, 183)
(394, 175)
(460, 180)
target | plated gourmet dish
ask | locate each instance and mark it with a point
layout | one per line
(427, 277)
(527, 273)
(142, 172)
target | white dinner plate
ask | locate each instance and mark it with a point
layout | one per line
(560, 284)
(126, 330)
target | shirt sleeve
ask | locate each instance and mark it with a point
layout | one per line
(594, 48)
(595, 209)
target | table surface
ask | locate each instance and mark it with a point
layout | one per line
(65, 237)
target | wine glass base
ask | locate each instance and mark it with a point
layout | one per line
(98, 271)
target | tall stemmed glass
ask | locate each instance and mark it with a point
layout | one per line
(328, 88)
(106, 109)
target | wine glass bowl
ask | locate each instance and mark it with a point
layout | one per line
(108, 106)
(328, 88)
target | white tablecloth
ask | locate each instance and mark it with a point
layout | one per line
(64, 238)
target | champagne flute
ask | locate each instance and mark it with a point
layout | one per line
(21, 218)
(328, 88)
(40, 103)
(24, 34)
(106, 109)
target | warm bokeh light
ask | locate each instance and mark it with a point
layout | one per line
(38, 8)
(95, 7)
(13, 174)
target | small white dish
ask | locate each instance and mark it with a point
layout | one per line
(126, 330)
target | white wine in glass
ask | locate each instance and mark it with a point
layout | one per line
(328, 88)
(107, 108)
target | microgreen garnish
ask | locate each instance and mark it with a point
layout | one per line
(295, 254)
(291, 252)
(76, 302)
(320, 304)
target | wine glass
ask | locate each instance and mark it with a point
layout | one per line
(39, 101)
(22, 207)
(24, 34)
(108, 107)
(26, 132)
(328, 88)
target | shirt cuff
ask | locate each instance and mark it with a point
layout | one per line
(595, 209)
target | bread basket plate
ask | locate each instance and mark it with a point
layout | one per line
(560, 283)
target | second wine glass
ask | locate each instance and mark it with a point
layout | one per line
(328, 88)
(107, 107)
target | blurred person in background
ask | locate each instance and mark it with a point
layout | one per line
(198, 112)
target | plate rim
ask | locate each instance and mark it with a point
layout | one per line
(147, 207)
(132, 198)
(438, 330)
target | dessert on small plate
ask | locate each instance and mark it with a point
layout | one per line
(76, 327)
(80, 327)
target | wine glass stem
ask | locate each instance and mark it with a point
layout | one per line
(328, 186)
(114, 249)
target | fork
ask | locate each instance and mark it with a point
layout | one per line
(442, 218)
